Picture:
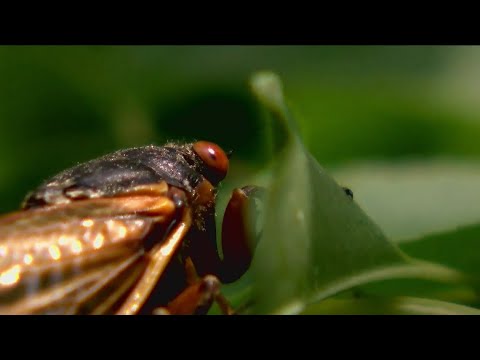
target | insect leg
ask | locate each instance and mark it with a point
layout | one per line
(192, 278)
(238, 243)
(159, 257)
(197, 299)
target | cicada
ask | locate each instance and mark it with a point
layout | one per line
(132, 232)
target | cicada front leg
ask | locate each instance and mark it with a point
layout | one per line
(238, 239)
(198, 297)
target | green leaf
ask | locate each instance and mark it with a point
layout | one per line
(401, 305)
(455, 249)
(410, 199)
(317, 241)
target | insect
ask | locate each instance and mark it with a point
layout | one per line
(132, 232)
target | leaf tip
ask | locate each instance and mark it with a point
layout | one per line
(267, 87)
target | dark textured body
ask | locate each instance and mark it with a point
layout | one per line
(118, 172)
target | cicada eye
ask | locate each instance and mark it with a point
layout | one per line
(214, 157)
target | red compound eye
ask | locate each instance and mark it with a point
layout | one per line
(214, 157)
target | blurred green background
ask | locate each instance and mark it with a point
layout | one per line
(397, 124)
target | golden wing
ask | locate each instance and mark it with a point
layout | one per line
(79, 257)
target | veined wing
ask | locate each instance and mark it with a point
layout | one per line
(66, 258)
